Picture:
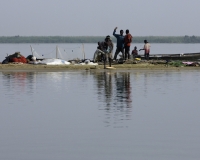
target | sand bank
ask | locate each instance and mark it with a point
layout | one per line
(31, 67)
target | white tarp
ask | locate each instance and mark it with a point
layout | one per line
(52, 61)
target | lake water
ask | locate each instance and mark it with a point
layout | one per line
(75, 50)
(99, 114)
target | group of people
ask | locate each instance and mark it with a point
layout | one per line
(105, 49)
(124, 43)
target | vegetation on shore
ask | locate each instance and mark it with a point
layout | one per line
(95, 39)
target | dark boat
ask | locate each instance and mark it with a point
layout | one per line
(182, 56)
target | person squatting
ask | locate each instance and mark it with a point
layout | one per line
(104, 51)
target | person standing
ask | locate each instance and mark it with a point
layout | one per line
(146, 49)
(110, 45)
(120, 43)
(127, 44)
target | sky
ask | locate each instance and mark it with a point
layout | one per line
(99, 17)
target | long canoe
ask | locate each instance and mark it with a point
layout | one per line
(182, 56)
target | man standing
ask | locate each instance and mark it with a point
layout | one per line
(127, 44)
(120, 43)
(109, 49)
(146, 49)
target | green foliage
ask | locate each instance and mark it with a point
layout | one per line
(177, 64)
(95, 39)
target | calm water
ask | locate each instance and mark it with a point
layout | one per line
(70, 51)
(96, 115)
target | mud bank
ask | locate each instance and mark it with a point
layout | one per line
(31, 67)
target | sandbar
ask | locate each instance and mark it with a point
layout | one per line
(31, 67)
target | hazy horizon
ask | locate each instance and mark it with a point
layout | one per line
(94, 36)
(99, 18)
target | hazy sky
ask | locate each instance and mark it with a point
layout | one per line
(99, 17)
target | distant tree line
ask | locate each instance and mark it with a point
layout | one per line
(95, 39)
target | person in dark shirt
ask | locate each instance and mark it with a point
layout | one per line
(120, 43)
(134, 52)
(98, 55)
(99, 45)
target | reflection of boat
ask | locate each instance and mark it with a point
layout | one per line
(182, 56)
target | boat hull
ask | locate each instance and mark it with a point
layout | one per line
(184, 56)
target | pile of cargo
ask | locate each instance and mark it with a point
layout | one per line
(15, 58)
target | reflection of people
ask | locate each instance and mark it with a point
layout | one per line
(127, 44)
(104, 86)
(146, 49)
(134, 52)
(123, 88)
(114, 91)
(120, 43)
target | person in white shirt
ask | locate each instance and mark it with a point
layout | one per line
(146, 49)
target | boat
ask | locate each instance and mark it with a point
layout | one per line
(181, 56)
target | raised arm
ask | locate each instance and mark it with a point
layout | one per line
(114, 32)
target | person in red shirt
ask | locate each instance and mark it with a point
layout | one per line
(127, 44)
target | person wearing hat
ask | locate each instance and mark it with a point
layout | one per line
(146, 49)
(120, 43)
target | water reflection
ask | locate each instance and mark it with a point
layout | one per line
(123, 89)
(19, 81)
(114, 95)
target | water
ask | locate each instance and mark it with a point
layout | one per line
(95, 115)
(75, 50)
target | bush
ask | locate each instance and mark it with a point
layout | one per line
(177, 64)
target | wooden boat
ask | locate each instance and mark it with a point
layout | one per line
(182, 56)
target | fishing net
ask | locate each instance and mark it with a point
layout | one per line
(71, 53)
(76, 52)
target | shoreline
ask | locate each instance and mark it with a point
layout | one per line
(146, 66)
